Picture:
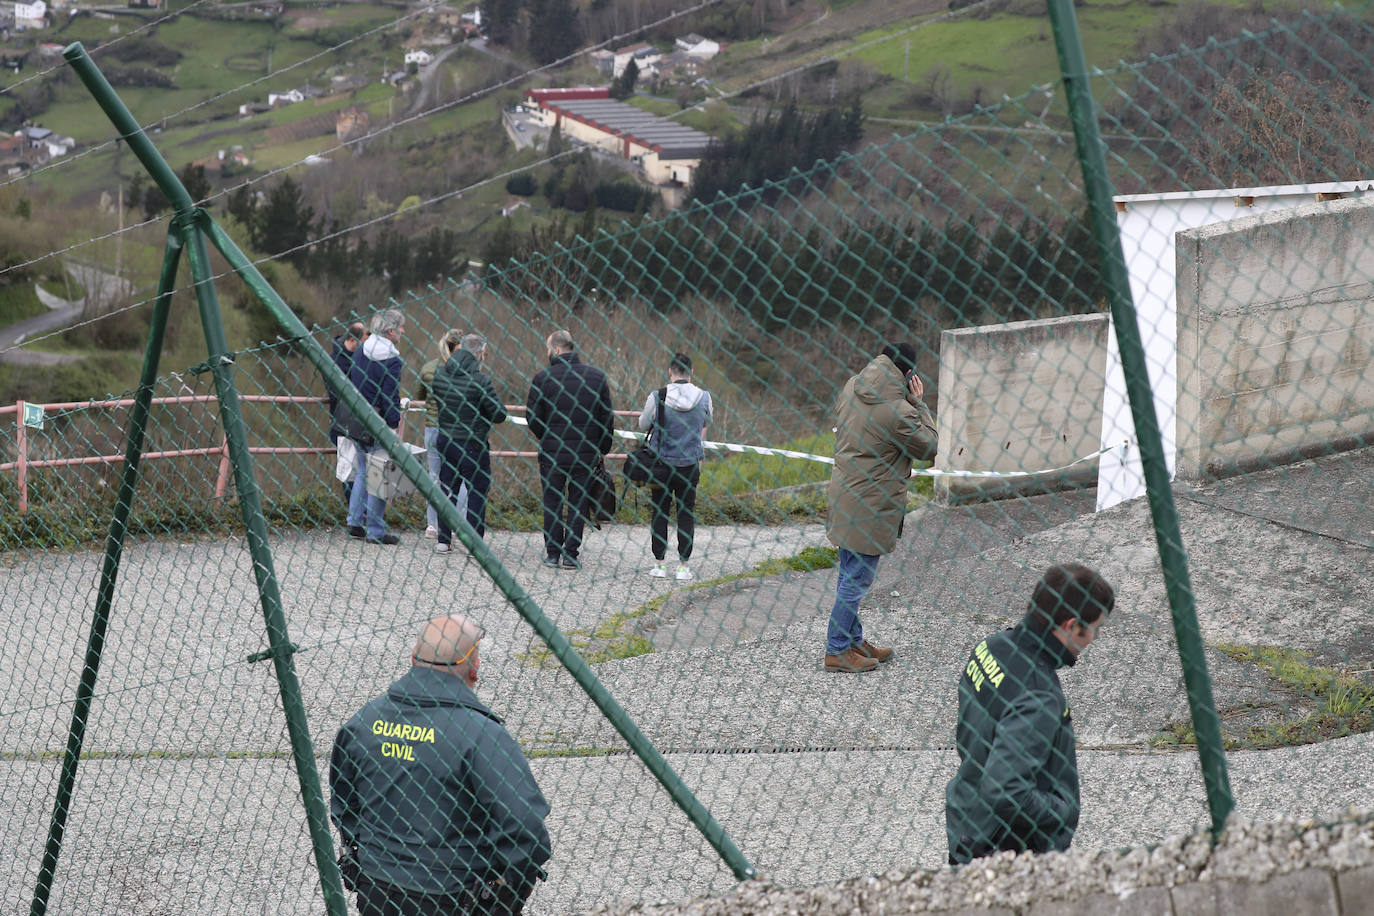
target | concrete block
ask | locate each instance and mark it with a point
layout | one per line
(1311, 892)
(1024, 397)
(1356, 890)
(1275, 337)
(1147, 901)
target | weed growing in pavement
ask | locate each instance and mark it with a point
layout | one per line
(615, 637)
(1344, 704)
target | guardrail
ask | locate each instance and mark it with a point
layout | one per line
(23, 463)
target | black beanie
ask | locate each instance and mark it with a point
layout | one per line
(902, 354)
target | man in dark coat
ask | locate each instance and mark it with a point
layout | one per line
(376, 373)
(569, 411)
(1017, 785)
(434, 800)
(345, 346)
(468, 407)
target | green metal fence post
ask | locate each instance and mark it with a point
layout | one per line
(109, 573)
(221, 365)
(1173, 558)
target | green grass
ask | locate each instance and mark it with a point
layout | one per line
(616, 637)
(1344, 703)
(18, 301)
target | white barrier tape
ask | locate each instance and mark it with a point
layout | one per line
(824, 459)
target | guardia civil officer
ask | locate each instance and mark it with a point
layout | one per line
(436, 805)
(1017, 785)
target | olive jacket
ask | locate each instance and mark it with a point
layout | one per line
(878, 433)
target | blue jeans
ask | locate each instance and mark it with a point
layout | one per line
(365, 510)
(433, 457)
(856, 577)
(465, 463)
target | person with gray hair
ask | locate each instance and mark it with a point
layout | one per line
(423, 391)
(376, 373)
(435, 801)
(569, 412)
(467, 409)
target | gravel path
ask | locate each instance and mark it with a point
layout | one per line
(188, 802)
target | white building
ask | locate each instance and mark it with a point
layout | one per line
(31, 15)
(419, 57)
(285, 98)
(695, 46)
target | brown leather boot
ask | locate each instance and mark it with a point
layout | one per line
(881, 653)
(850, 661)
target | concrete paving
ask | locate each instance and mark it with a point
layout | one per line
(190, 802)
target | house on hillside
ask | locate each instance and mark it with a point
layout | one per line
(12, 154)
(350, 123)
(512, 205)
(31, 15)
(603, 60)
(448, 17)
(252, 108)
(278, 99)
(695, 46)
(635, 52)
(419, 57)
(41, 144)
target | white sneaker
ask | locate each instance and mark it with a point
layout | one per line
(431, 532)
(659, 571)
(683, 573)
(441, 548)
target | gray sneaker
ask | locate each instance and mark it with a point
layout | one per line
(441, 548)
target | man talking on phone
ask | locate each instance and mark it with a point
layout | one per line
(881, 427)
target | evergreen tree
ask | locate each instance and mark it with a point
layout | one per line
(283, 222)
(555, 31)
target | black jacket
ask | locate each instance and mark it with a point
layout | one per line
(468, 405)
(434, 792)
(344, 360)
(569, 411)
(1017, 785)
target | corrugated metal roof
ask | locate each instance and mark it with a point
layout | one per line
(669, 139)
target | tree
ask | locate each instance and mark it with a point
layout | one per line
(283, 223)
(624, 85)
(555, 31)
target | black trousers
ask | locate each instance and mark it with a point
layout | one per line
(376, 898)
(565, 504)
(675, 485)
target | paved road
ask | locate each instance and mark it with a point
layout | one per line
(815, 776)
(105, 287)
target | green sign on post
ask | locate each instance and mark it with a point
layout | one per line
(33, 416)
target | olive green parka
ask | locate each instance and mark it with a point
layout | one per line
(879, 431)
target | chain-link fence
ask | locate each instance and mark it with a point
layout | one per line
(685, 721)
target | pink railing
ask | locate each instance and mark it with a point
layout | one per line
(23, 463)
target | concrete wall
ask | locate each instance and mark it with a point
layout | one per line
(1275, 338)
(1025, 396)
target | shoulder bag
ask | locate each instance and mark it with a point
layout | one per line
(641, 465)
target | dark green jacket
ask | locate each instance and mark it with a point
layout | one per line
(468, 406)
(434, 792)
(1017, 785)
